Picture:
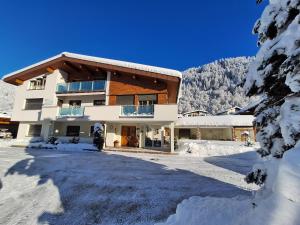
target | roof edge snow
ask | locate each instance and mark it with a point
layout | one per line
(118, 63)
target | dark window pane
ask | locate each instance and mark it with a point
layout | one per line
(99, 102)
(33, 103)
(34, 130)
(92, 131)
(184, 133)
(73, 131)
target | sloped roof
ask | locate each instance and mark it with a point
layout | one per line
(199, 110)
(103, 61)
(216, 121)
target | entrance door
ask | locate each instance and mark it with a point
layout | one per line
(129, 138)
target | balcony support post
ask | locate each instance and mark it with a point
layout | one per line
(172, 137)
(107, 87)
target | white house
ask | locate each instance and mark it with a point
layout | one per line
(65, 95)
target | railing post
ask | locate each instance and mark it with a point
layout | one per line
(80, 85)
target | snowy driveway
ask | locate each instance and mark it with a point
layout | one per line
(52, 187)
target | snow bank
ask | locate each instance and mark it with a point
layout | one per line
(64, 146)
(216, 121)
(208, 211)
(277, 203)
(7, 142)
(202, 148)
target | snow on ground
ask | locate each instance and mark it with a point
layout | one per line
(64, 146)
(42, 145)
(61, 187)
(7, 142)
(277, 203)
(203, 148)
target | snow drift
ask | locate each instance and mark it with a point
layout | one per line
(202, 148)
(278, 202)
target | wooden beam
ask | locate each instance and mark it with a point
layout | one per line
(50, 69)
(125, 70)
(87, 70)
(19, 81)
(70, 66)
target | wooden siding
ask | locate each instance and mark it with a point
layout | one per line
(126, 84)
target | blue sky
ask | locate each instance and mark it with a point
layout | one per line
(168, 33)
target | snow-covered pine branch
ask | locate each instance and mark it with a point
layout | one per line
(275, 73)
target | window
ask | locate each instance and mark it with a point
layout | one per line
(92, 131)
(73, 131)
(75, 103)
(147, 99)
(37, 84)
(184, 133)
(125, 100)
(33, 103)
(99, 102)
(34, 130)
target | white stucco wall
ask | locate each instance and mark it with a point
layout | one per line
(23, 93)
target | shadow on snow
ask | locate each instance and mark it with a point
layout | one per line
(241, 163)
(100, 188)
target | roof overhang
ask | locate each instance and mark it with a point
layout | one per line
(55, 62)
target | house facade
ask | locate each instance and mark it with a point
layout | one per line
(64, 96)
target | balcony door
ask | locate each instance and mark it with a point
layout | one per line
(147, 99)
(125, 100)
(129, 138)
(75, 103)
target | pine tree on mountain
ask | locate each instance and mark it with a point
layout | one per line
(275, 74)
(201, 86)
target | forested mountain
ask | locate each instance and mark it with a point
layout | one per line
(215, 86)
(7, 95)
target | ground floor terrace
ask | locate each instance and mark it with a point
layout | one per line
(238, 133)
(157, 136)
(57, 187)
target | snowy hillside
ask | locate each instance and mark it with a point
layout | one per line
(216, 86)
(7, 95)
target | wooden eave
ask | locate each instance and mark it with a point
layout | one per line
(81, 67)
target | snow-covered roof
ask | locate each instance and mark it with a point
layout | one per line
(195, 111)
(4, 115)
(229, 109)
(252, 105)
(216, 121)
(137, 66)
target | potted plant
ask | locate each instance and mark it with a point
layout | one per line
(116, 143)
